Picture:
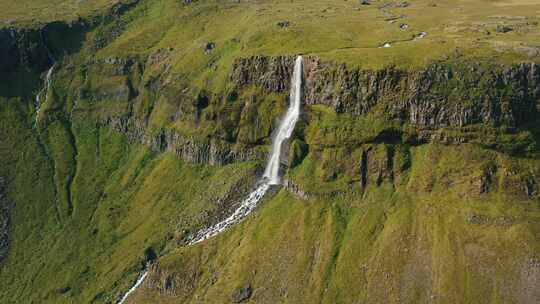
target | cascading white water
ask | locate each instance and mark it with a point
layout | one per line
(45, 91)
(245, 208)
(137, 284)
(287, 125)
(271, 173)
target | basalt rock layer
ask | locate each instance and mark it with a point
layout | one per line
(5, 208)
(440, 95)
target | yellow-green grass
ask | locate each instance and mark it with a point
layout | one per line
(124, 199)
(336, 30)
(29, 12)
(384, 247)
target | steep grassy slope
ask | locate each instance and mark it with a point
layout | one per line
(81, 235)
(412, 177)
(413, 244)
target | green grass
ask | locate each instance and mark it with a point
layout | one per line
(385, 245)
(342, 31)
(125, 199)
(30, 12)
(88, 203)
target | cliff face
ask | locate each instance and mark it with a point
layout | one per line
(454, 103)
(378, 116)
(5, 209)
(22, 48)
(459, 97)
(440, 95)
(143, 120)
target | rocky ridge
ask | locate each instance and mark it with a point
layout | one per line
(440, 95)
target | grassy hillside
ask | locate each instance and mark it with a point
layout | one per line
(345, 30)
(145, 136)
(124, 199)
(28, 12)
(383, 246)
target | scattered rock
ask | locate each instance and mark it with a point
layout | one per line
(503, 29)
(209, 46)
(420, 36)
(296, 190)
(403, 26)
(283, 24)
(477, 219)
(534, 262)
(402, 4)
(241, 294)
(63, 290)
(486, 180)
(529, 186)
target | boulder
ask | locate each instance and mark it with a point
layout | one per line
(241, 294)
(209, 46)
(283, 24)
(503, 28)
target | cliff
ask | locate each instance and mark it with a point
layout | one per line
(450, 94)
(5, 208)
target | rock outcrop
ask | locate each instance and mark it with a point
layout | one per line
(440, 95)
(455, 95)
(210, 151)
(4, 221)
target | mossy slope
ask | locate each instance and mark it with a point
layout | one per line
(145, 137)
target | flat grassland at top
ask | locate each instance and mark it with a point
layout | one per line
(370, 33)
(33, 11)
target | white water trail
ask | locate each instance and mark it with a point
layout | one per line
(44, 90)
(245, 208)
(137, 284)
(271, 173)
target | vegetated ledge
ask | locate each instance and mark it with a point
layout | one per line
(445, 102)
(455, 101)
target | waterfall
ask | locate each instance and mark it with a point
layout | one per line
(44, 90)
(271, 173)
(287, 125)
